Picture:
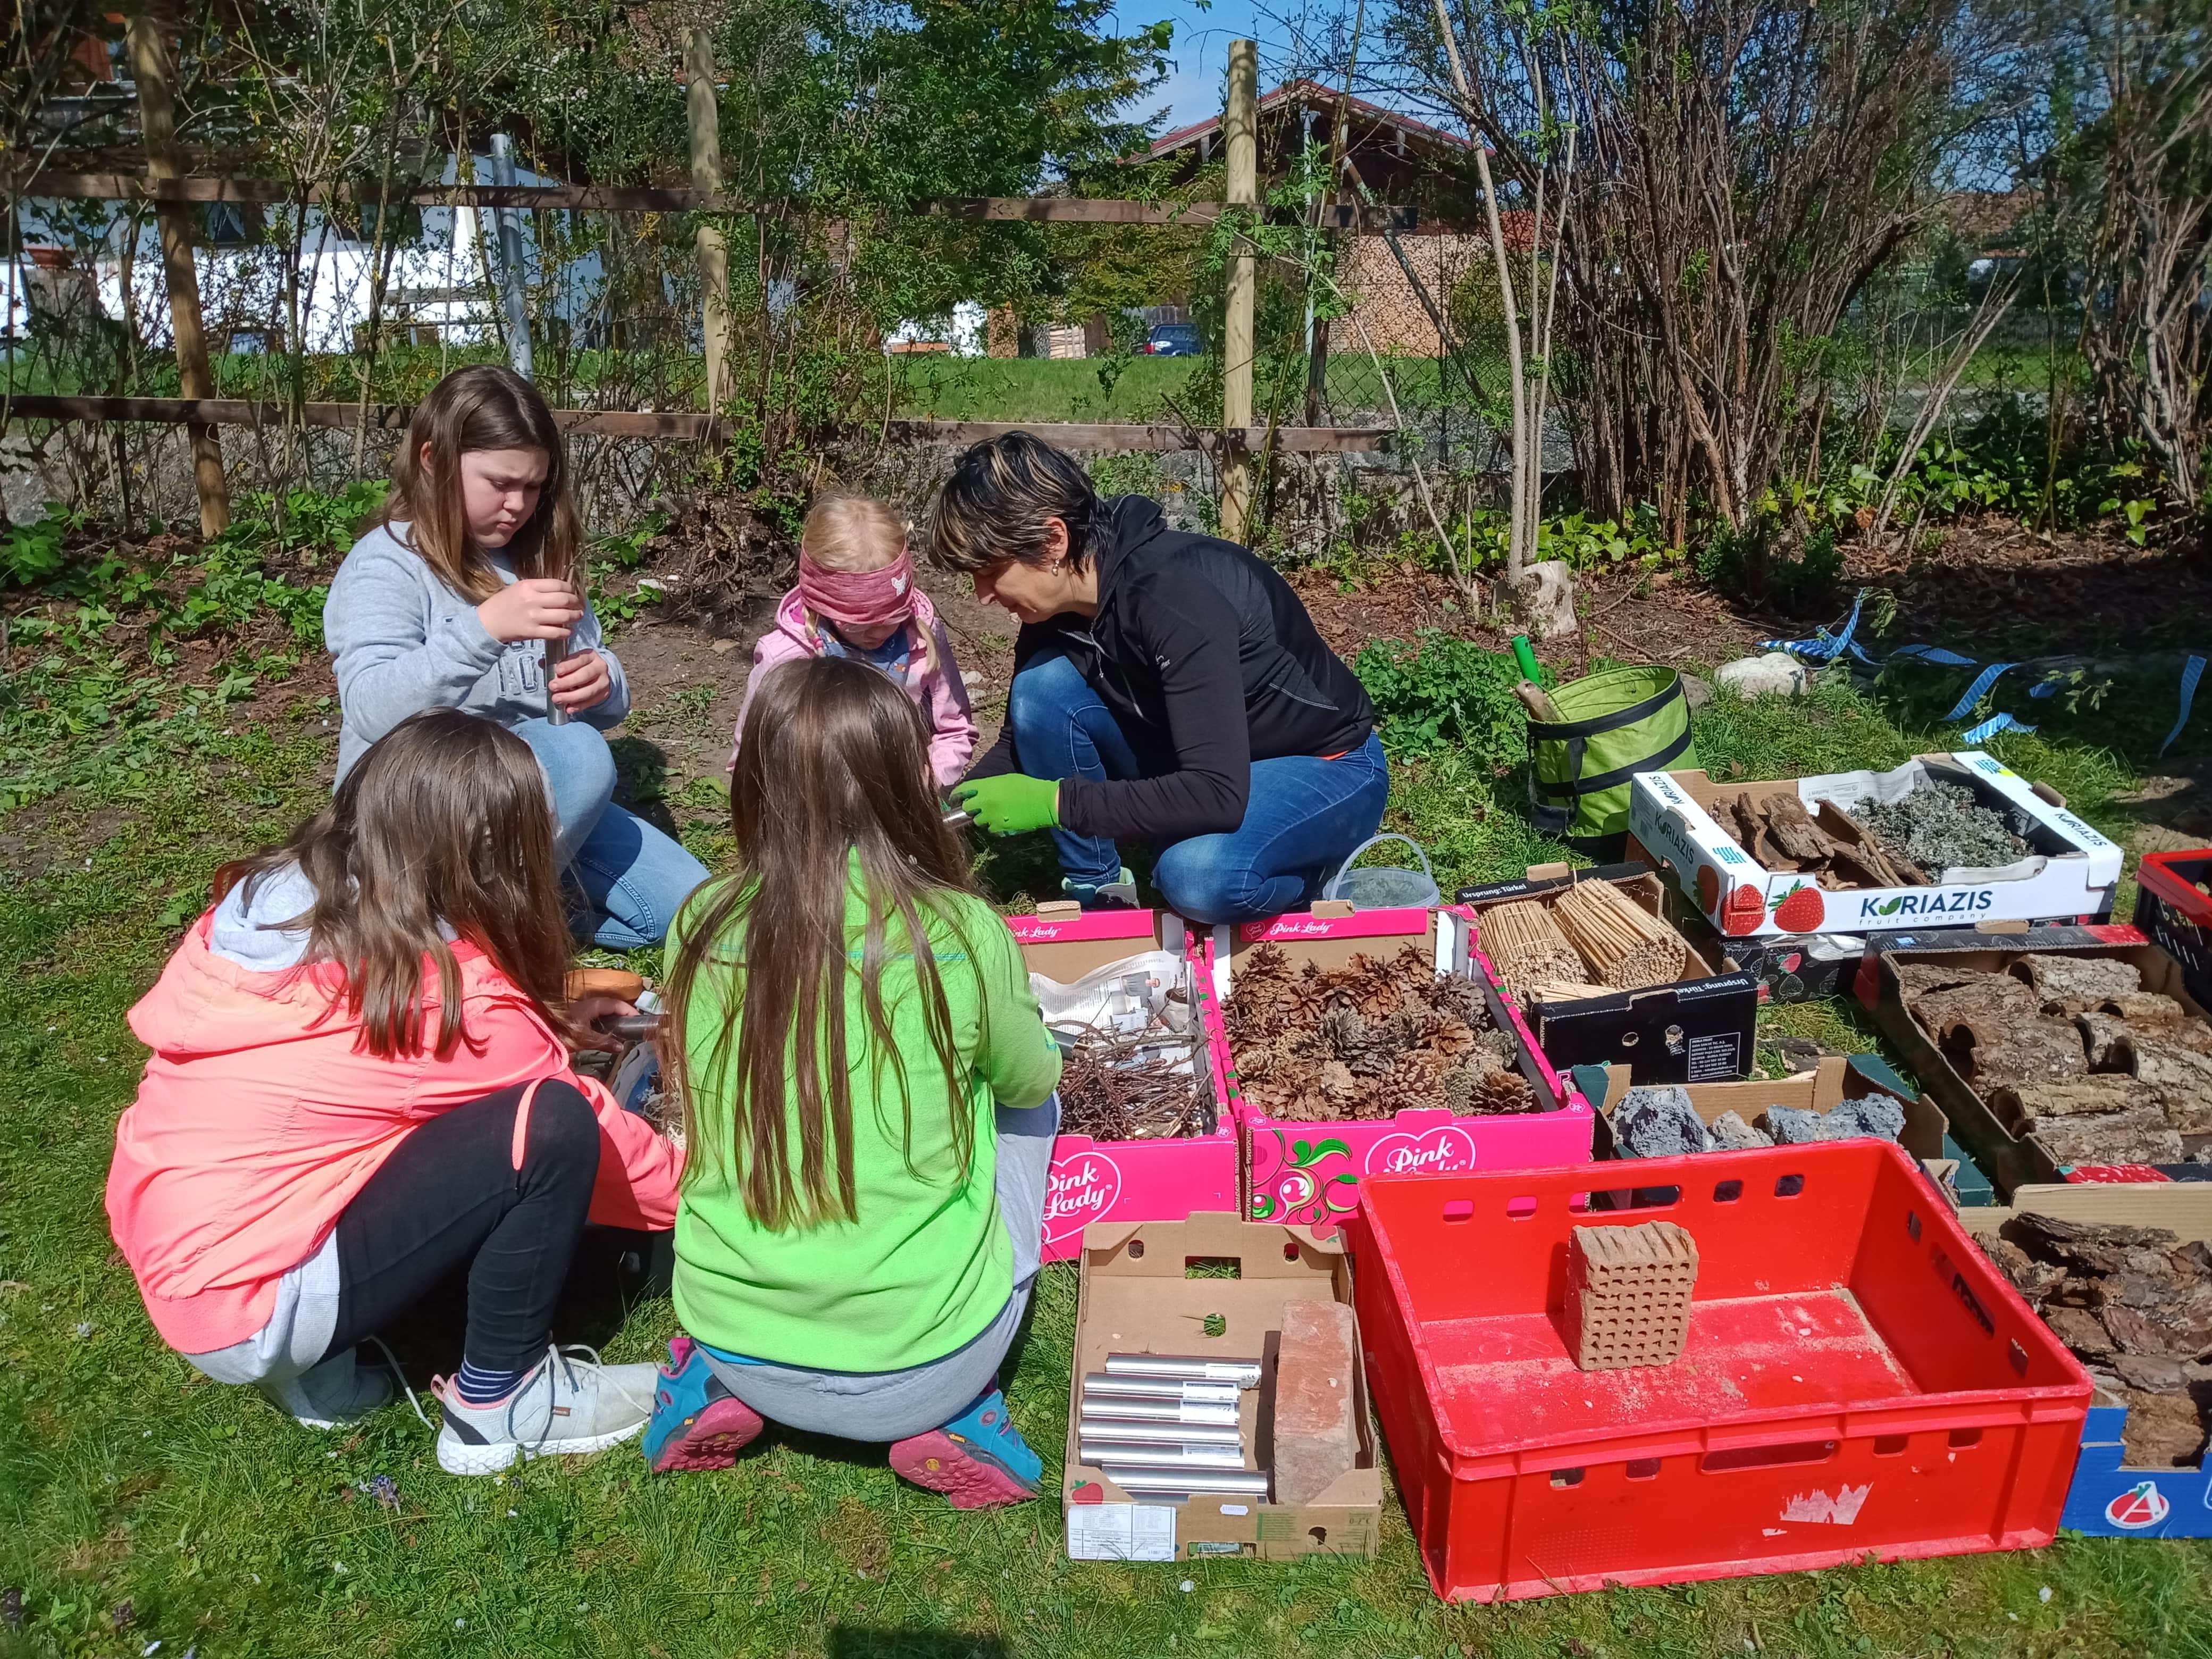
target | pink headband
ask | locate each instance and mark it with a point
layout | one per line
(858, 598)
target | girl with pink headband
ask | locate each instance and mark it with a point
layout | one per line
(856, 597)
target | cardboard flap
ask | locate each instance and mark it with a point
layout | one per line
(1330, 909)
(1549, 872)
(1062, 909)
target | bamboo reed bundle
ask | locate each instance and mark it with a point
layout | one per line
(1527, 947)
(1626, 946)
(1569, 990)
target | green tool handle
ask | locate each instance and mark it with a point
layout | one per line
(1527, 658)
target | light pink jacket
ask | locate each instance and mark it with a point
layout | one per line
(258, 1119)
(939, 690)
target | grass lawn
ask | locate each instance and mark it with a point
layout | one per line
(140, 1504)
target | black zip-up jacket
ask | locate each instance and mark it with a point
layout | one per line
(1203, 653)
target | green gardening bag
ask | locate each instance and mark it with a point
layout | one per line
(1611, 726)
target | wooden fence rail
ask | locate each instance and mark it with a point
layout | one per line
(681, 427)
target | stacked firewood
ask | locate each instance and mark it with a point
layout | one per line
(1367, 1039)
(2135, 1304)
(2074, 1051)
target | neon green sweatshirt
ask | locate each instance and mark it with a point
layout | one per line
(927, 1265)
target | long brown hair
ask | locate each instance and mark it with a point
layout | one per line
(445, 819)
(834, 762)
(482, 407)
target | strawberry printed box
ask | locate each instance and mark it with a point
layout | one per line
(1309, 1175)
(1131, 1181)
(2063, 869)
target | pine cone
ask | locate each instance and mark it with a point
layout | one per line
(1501, 1047)
(1452, 1039)
(1501, 1094)
(1461, 997)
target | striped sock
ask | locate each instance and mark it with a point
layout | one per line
(480, 1386)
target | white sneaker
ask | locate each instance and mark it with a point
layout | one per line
(330, 1394)
(567, 1404)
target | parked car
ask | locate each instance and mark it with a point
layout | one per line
(1173, 340)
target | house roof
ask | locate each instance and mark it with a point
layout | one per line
(1302, 93)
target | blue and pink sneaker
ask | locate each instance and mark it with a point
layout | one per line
(979, 1459)
(697, 1423)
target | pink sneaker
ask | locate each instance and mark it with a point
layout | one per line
(697, 1423)
(979, 1459)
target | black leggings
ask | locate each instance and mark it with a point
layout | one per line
(450, 1193)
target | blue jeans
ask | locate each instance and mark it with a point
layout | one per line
(634, 876)
(1302, 817)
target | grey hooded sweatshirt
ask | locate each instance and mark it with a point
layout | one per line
(403, 641)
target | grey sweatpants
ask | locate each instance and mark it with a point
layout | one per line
(893, 1405)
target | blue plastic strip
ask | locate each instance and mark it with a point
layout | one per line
(2044, 688)
(2191, 672)
(1935, 653)
(1977, 691)
(1989, 727)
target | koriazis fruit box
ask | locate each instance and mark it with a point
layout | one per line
(1862, 852)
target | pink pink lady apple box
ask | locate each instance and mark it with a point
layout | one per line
(1309, 1174)
(1129, 1180)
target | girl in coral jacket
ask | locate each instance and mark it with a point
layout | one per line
(361, 1081)
(856, 599)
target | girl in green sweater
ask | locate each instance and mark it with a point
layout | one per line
(870, 1124)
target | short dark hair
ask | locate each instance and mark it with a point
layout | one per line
(994, 506)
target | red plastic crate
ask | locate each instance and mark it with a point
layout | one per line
(1859, 1382)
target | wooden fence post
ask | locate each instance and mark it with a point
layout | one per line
(157, 117)
(1241, 131)
(706, 175)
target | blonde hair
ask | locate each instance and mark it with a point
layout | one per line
(854, 534)
(482, 407)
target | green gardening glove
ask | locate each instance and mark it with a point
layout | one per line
(1011, 804)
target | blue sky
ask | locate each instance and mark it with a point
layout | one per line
(1202, 34)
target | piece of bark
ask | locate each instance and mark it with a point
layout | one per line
(1988, 996)
(2142, 1136)
(1745, 822)
(1316, 1439)
(2073, 985)
(2162, 1431)
(2102, 1037)
(2152, 1373)
(2082, 1330)
(2145, 1008)
(2087, 1097)
(2093, 1247)
(2176, 1072)
(1999, 1049)
(1800, 837)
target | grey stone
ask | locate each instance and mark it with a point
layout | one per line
(1777, 673)
(1878, 1115)
(1728, 1133)
(1658, 1123)
(1697, 691)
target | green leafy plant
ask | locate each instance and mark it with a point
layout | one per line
(1446, 694)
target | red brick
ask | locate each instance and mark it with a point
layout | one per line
(1316, 1436)
(1628, 1295)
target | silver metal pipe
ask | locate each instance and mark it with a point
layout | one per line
(1244, 1373)
(1135, 1479)
(1185, 1434)
(1179, 1456)
(1100, 1383)
(557, 651)
(1159, 1411)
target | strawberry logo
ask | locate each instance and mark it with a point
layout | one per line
(1747, 908)
(1801, 910)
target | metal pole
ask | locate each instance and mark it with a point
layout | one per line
(512, 298)
(706, 175)
(1241, 129)
(157, 118)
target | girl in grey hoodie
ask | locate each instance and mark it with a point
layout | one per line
(471, 578)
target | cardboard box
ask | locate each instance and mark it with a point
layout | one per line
(2179, 917)
(1137, 1297)
(2010, 1161)
(1309, 1174)
(1130, 1179)
(2070, 873)
(2107, 1498)
(1696, 1030)
(1837, 1078)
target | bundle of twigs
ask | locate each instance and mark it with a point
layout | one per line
(1527, 947)
(1148, 1086)
(1626, 946)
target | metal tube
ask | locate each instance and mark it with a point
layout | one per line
(1154, 1480)
(1099, 1384)
(1152, 1434)
(1209, 1457)
(1244, 1373)
(1159, 1411)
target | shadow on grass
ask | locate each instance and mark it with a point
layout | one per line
(642, 782)
(861, 1642)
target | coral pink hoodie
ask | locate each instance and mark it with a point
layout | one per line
(258, 1119)
(939, 690)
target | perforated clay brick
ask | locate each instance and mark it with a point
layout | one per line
(1628, 1295)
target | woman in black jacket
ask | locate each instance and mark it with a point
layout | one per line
(1166, 686)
